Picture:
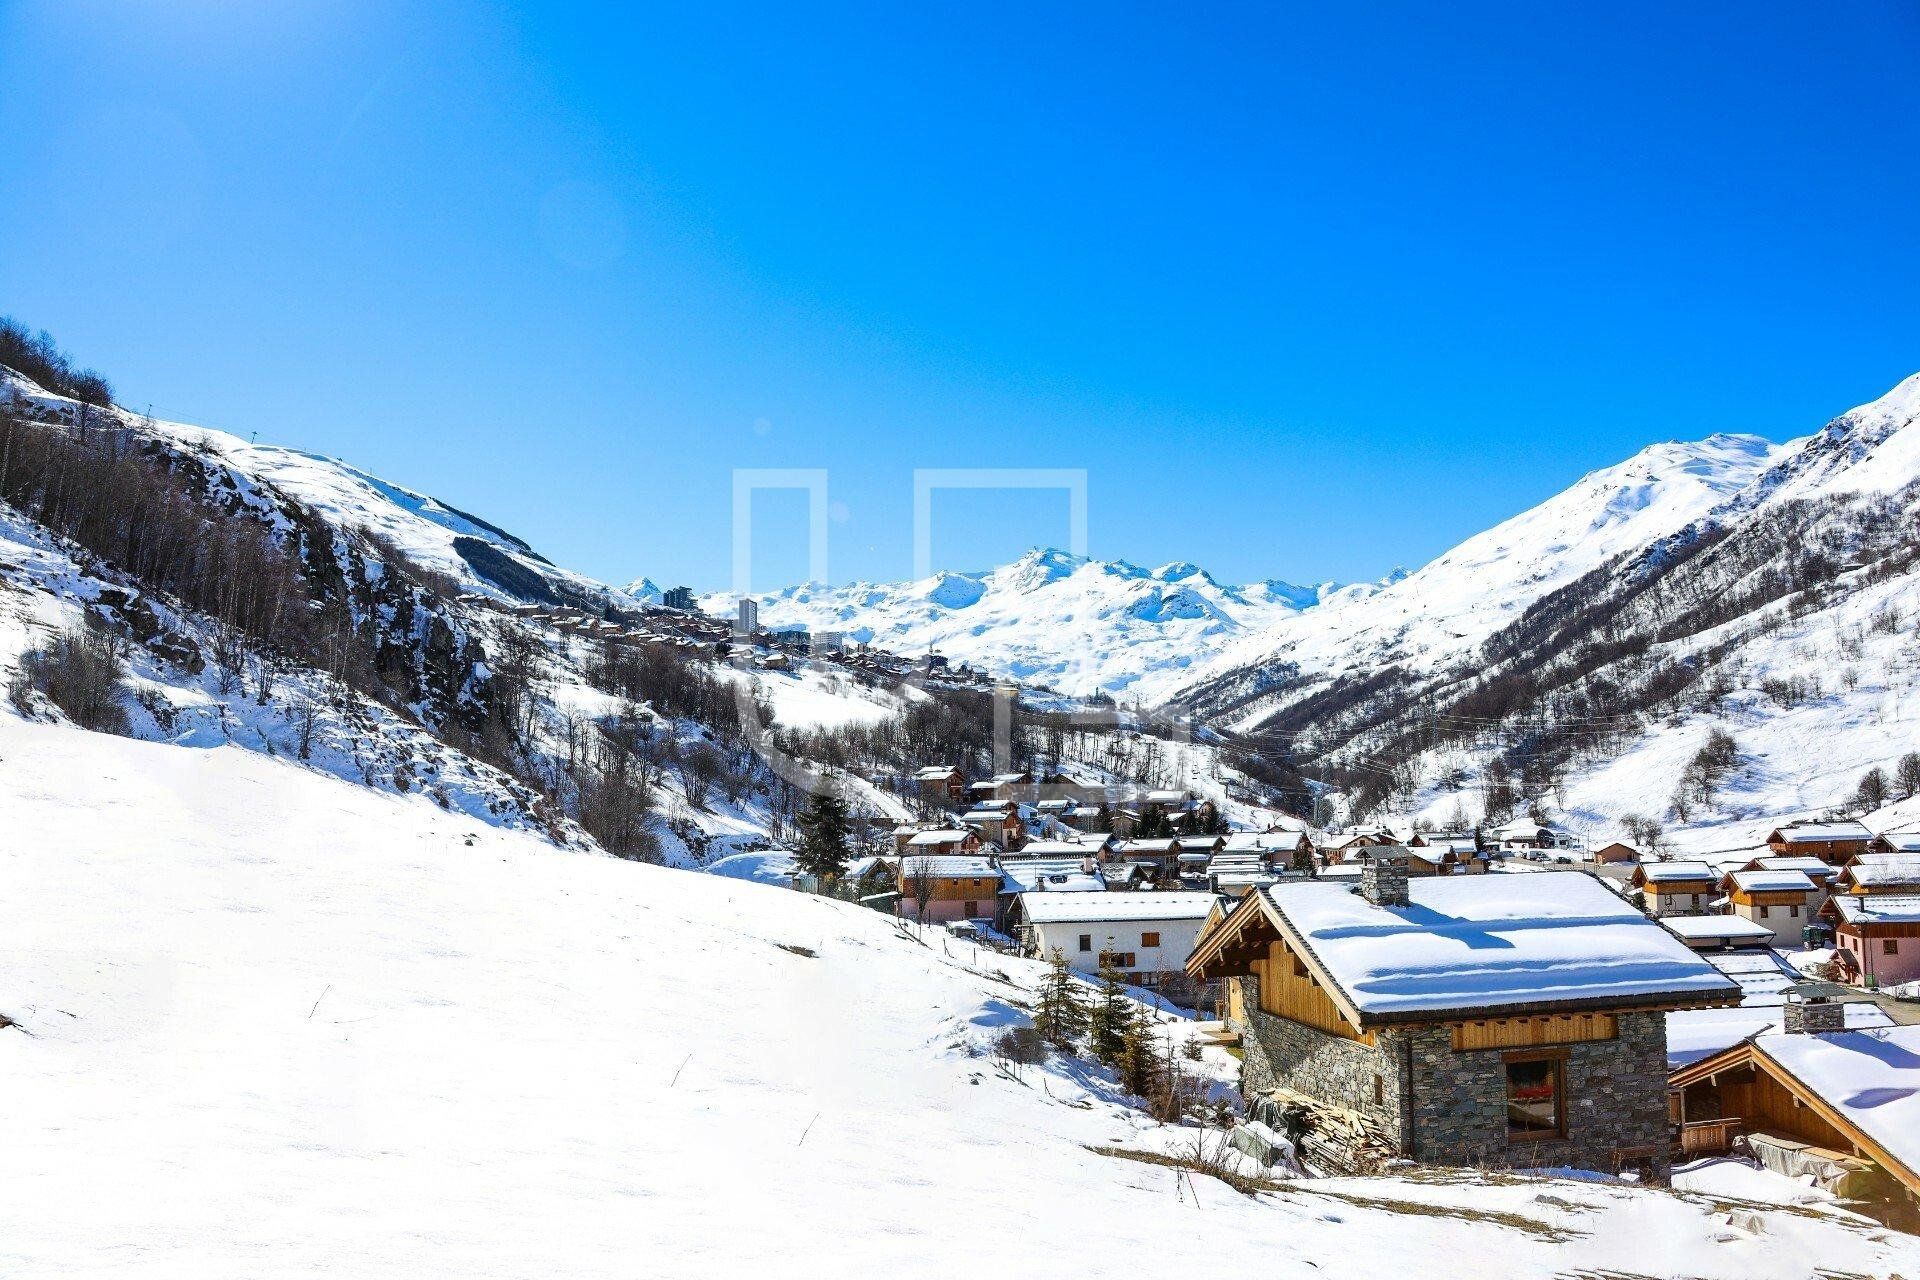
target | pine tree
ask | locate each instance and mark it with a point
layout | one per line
(1060, 1018)
(1110, 1018)
(1138, 1063)
(824, 835)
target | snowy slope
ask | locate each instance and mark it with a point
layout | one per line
(1443, 611)
(269, 1024)
(478, 555)
(1068, 622)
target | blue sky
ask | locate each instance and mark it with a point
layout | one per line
(1310, 291)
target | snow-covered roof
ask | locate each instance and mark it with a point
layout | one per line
(1043, 908)
(945, 836)
(946, 865)
(1167, 845)
(1878, 908)
(1811, 832)
(936, 771)
(1878, 869)
(1872, 1078)
(1057, 849)
(1772, 881)
(1693, 1034)
(1902, 841)
(1467, 944)
(1663, 872)
(1717, 928)
(1806, 864)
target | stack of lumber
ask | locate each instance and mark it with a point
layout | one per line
(1331, 1139)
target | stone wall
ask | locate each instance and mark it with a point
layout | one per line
(1616, 1101)
(1616, 1090)
(1333, 1069)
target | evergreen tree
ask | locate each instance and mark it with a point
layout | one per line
(1138, 1063)
(1110, 1018)
(1060, 1018)
(824, 835)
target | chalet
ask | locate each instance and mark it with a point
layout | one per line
(1880, 873)
(1675, 888)
(998, 821)
(1003, 786)
(1146, 936)
(1815, 1098)
(1764, 978)
(1833, 842)
(1781, 902)
(1342, 847)
(1616, 852)
(941, 785)
(942, 888)
(1895, 842)
(936, 840)
(1424, 861)
(1511, 1021)
(1818, 870)
(1876, 936)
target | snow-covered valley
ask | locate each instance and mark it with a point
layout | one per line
(373, 1038)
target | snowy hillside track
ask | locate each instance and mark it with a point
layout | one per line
(272, 1024)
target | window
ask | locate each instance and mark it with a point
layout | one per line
(1536, 1096)
(1149, 939)
(1765, 911)
(973, 909)
(1889, 947)
(1086, 942)
(1379, 1092)
(1794, 912)
(1116, 959)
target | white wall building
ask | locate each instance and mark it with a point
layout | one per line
(1147, 934)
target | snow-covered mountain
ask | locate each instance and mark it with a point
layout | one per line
(1447, 608)
(1786, 615)
(1068, 622)
(1084, 625)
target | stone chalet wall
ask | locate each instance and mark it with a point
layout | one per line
(1616, 1101)
(1333, 1069)
(1616, 1090)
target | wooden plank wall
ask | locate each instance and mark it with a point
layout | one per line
(1287, 991)
(1522, 1033)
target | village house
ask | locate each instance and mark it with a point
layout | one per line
(1147, 936)
(1782, 902)
(1895, 842)
(1815, 1099)
(1833, 842)
(941, 785)
(1527, 834)
(1616, 852)
(998, 821)
(1675, 888)
(944, 888)
(1504, 1021)
(1874, 936)
(1818, 870)
(935, 840)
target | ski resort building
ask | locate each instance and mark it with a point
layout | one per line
(1508, 1021)
(944, 888)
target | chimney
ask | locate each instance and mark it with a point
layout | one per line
(1383, 880)
(1814, 1015)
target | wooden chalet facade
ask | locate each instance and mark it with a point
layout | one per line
(1814, 1100)
(1832, 842)
(1783, 902)
(944, 888)
(1676, 888)
(1347, 997)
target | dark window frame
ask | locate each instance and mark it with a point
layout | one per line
(1562, 1087)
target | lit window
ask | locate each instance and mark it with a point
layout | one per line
(1536, 1096)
